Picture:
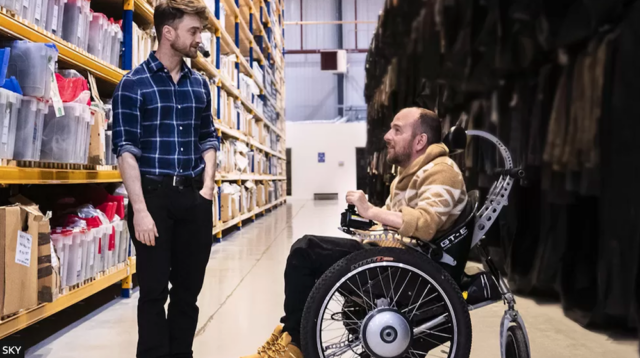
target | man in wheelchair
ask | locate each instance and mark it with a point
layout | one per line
(427, 199)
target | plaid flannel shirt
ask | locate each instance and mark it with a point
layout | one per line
(166, 126)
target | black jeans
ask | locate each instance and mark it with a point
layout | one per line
(310, 257)
(184, 220)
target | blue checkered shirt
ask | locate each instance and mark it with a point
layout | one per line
(166, 126)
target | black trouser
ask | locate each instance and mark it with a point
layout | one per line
(310, 257)
(184, 220)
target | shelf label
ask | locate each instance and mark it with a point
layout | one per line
(38, 10)
(23, 249)
(54, 25)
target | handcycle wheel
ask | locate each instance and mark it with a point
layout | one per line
(517, 346)
(386, 303)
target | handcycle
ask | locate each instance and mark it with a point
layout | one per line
(410, 300)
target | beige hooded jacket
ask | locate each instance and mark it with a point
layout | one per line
(430, 194)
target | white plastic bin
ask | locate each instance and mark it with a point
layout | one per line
(98, 31)
(94, 251)
(29, 63)
(61, 135)
(41, 9)
(87, 15)
(55, 15)
(104, 247)
(116, 44)
(29, 129)
(72, 30)
(74, 267)
(9, 106)
(12, 5)
(118, 225)
(124, 243)
(62, 240)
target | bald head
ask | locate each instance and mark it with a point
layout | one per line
(413, 130)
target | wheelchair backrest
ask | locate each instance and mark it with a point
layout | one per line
(455, 243)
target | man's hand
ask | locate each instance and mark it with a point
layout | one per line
(207, 193)
(359, 199)
(145, 227)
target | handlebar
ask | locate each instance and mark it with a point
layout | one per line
(516, 173)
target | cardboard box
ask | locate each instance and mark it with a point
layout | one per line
(19, 228)
(252, 200)
(260, 200)
(97, 141)
(235, 206)
(261, 133)
(226, 213)
(48, 266)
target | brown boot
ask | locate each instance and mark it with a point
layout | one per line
(263, 351)
(284, 349)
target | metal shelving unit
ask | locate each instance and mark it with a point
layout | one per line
(246, 24)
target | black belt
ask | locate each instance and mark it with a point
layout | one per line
(169, 180)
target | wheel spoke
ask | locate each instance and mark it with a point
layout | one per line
(362, 292)
(414, 291)
(401, 289)
(363, 297)
(382, 283)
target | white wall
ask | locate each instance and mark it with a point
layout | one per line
(338, 142)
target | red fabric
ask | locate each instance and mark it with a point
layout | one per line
(119, 201)
(71, 88)
(92, 223)
(112, 239)
(109, 209)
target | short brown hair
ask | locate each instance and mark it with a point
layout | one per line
(428, 123)
(167, 12)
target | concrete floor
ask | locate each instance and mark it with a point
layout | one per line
(242, 302)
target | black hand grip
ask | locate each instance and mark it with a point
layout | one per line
(351, 208)
(513, 172)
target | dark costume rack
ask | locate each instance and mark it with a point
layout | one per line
(557, 82)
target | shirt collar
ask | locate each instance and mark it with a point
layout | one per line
(155, 65)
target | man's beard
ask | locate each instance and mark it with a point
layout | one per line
(186, 51)
(399, 157)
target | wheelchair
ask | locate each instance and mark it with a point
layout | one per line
(395, 302)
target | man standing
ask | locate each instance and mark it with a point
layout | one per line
(166, 144)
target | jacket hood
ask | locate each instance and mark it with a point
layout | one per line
(433, 152)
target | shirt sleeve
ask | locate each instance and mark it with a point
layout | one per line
(126, 118)
(208, 137)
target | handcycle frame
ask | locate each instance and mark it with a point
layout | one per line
(488, 213)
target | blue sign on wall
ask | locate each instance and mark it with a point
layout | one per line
(321, 157)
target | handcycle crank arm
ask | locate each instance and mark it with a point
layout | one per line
(346, 348)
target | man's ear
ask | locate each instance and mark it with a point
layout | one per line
(168, 33)
(421, 142)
